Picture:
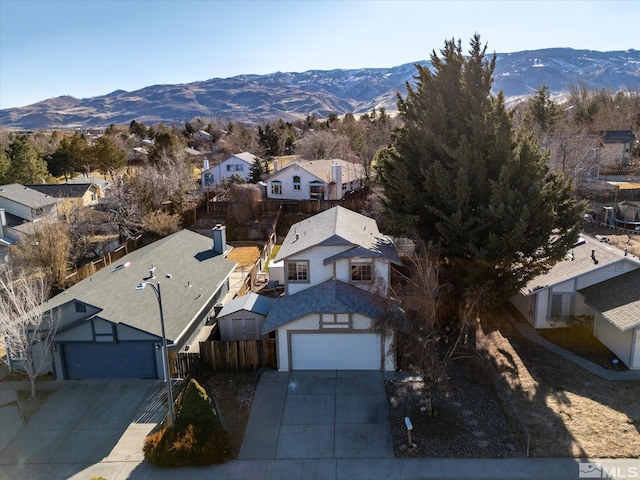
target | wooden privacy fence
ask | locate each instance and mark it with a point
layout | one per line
(238, 355)
(182, 364)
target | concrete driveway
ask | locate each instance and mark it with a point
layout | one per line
(89, 421)
(318, 414)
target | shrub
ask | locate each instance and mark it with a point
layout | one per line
(197, 438)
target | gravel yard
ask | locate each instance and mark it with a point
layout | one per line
(468, 421)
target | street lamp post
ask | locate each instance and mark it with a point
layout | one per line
(165, 351)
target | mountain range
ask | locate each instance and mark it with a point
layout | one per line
(258, 98)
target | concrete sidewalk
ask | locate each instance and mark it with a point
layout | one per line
(340, 469)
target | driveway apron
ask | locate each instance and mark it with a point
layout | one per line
(318, 414)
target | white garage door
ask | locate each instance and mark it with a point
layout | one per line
(335, 351)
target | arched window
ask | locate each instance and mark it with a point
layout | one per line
(276, 187)
(296, 182)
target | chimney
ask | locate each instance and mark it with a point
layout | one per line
(336, 177)
(219, 239)
(205, 164)
(275, 166)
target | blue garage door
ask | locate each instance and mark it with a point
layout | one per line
(110, 360)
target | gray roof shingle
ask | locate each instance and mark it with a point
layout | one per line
(582, 263)
(339, 226)
(62, 190)
(196, 273)
(332, 296)
(26, 196)
(251, 302)
(618, 299)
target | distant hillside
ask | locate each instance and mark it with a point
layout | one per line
(256, 98)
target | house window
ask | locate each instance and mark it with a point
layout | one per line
(276, 188)
(298, 271)
(361, 272)
(235, 168)
(296, 182)
(316, 191)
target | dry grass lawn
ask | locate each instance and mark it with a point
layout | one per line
(244, 255)
(568, 411)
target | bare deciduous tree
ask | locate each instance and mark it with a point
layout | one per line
(426, 343)
(27, 331)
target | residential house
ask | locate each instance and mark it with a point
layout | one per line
(238, 164)
(71, 195)
(243, 317)
(615, 147)
(108, 328)
(336, 278)
(562, 295)
(315, 180)
(23, 208)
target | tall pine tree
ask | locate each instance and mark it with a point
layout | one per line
(459, 175)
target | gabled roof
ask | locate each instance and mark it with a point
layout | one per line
(581, 264)
(617, 136)
(332, 296)
(252, 302)
(26, 196)
(618, 299)
(321, 169)
(246, 156)
(196, 272)
(62, 190)
(339, 226)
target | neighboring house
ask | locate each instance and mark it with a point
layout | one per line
(557, 297)
(615, 306)
(243, 317)
(71, 194)
(315, 180)
(23, 207)
(201, 136)
(615, 147)
(110, 329)
(5, 243)
(336, 276)
(238, 164)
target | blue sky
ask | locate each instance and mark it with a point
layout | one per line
(86, 48)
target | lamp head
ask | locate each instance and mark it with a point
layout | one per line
(140, 286)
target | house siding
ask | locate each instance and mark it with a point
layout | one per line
(285, 177)
(318, 272)
(618, 342)
(635, 352)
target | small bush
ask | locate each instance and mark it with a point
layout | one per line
(197, 438)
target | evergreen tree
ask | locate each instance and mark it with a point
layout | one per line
(459, 175)
(70, 156)
(106, 156)
(541, 111)
(27, 164)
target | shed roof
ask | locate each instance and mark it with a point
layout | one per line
(187, 268)
(332, 296)
(252, 302)
(618, 299)
(339, 226)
